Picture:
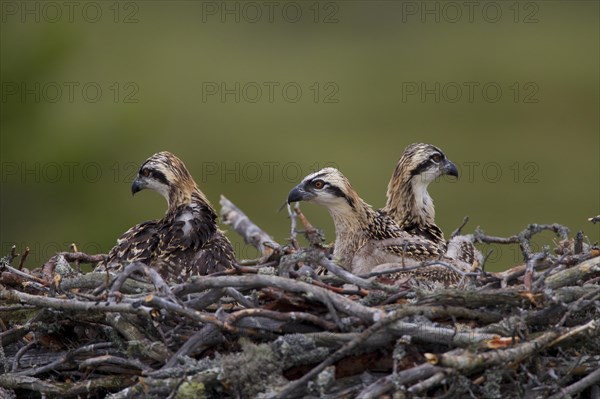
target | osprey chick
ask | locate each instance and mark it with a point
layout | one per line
(364, 238)
(186, 241)
(411, 206)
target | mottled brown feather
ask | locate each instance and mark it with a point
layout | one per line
(418, 217)
(360, 230)
(186, 241)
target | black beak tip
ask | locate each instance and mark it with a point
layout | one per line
(295, 195)
(452, 170)
(135, 187)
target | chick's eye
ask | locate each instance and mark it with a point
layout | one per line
(145, 172)
(319, 184)
(436, 157)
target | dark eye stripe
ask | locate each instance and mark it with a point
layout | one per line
(339, 193)
(422, 167)
(157, 175)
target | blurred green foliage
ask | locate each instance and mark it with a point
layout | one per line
(88, 96)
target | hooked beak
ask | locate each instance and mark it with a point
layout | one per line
(298, 194)
(450, 168)
(137, 185)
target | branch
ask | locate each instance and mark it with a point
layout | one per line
(457, 231)
(341, 303)
(577, 387)
(351, 278)
(386, 384)
(66, 304)
(314, 236)
(62, 389)
(582, 271)
(339, 354)
(252, 234)
(524, 237)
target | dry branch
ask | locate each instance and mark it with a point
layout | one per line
(252, 234)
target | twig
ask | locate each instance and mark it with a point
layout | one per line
(582, 271)
(138, 267)
(474, 299)
(95, 280)
(23, 257)
(67, 357)
(20, 353)
(235, 294)
(104, 360)
(288, 316)
(154, 350)
(386, 384)
(13, 253)
(457, 231)
(351, 278)
(73, 249)
(25, 275)
(293, 232)
(485, 259)
(591, 325)
(62, 389)
(208, 336)
(341, 303)
(65, 304)
(82, 257)
(339, 354)
(428, 384)
(524, 237)
(252, 234)
(313, 235)
(195, 315)
(577, 387)
(469, 363)
(576, 306)
(535, 258)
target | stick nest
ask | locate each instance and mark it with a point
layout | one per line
(273, 328)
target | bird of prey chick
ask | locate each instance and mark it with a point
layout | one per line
(410, 205)
(364, 238)
(186, 241)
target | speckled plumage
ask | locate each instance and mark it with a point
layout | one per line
(409, 203)
(365, 238)
(186, 241)
(422, 275)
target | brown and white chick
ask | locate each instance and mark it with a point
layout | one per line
(186, 241)
(364, 238)
(411, 206)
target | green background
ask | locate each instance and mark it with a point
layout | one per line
(367, 72)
